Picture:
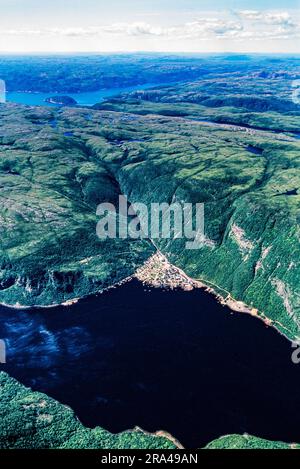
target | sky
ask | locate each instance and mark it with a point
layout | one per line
(149, 25)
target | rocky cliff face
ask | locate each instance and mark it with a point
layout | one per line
(57, 166)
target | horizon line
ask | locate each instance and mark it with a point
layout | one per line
(120, 52)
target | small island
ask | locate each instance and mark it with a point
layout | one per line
(61, 100)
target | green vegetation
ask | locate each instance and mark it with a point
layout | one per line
(32, 420)
(259, 99)
(62, 100)
(229, 141)
(75, 74)
(50, 189)
(270, 120)
(222, 74)
(248, 442)
(52, 183)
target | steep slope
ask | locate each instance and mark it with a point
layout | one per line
(57, 166)
(33, 420)
(248, 442)
(50, 188)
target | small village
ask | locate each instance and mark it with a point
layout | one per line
(160, 273)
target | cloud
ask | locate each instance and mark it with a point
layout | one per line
(282, 18)
(277, 34)
(21, 32)
(250, 14)
(245, 25)
(134, 29)
(198, 28)
(194, 29)
(76, 32)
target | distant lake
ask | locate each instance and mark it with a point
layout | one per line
(84, 99)
(171, 360)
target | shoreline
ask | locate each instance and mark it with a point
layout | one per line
(234, 305)
(158, 272)
(237, 306)
(70, 302)
(158, 434)
(149, 277)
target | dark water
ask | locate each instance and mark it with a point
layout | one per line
(291, 192)
(254, 150)
(176, 361)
